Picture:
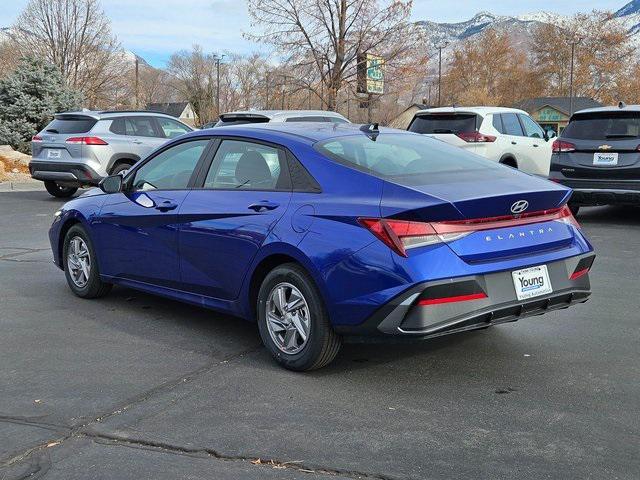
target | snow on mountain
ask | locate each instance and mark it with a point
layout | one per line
(520, 28)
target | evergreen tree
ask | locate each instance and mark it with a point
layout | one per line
(29, 97)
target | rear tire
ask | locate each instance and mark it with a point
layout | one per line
(303, 310)
(121, 167)
(59, 191)
(81, 265)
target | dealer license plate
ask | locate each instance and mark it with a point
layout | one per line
(53, 153)
(605, 159)
(531, 282)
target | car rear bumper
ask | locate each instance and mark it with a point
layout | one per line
(64, 173)
(601, 191)
(404, 316)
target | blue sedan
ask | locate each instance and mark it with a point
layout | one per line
(320, 231)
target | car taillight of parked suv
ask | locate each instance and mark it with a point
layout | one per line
(598, 156)
(78, 149)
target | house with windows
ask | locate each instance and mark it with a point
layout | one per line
(183, 111)
(552, 113)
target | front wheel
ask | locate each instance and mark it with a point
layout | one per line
(293, 321)
(81, 265)
(59, 191)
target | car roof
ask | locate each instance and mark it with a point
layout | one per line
(481, 110)
(272, 114)
(616, 108)
(307, 132)
(103, 114)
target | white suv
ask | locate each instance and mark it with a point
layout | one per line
(505, 135)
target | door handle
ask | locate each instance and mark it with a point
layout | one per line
(264, 205)
(535, 144)
(166, 206)
(514, 143)
(136, 141)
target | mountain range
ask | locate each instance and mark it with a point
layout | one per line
(520, 28)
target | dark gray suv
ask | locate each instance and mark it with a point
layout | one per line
(79, 148)
(598, 156)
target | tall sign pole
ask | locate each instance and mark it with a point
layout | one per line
(573, 50)
(440, 47)
(137, 83)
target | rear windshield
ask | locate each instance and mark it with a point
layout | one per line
(226, 121)
(68, 124)
(402, 158)
(444, 123)
(603, 126)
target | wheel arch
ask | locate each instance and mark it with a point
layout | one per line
(119, 158)
(509, 159)
(72, 218)
(273, 256)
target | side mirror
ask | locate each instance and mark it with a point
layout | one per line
(549, 134)
(111, 184)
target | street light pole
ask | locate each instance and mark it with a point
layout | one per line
(440, 47)
(573, 50)
(218, 59)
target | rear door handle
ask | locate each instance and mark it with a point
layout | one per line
(514, 143)
(166, 206)
(136, 141)
(262, 206)
(535, 144)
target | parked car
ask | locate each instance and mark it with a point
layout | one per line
(80, 148)
(329, 231)
(598, 156)
(505, 135)
(276, 116)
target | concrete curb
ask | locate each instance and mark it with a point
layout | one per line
(28, 186)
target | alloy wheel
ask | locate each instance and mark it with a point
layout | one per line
(288, 318)
(79, 261)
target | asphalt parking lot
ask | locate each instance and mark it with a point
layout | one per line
(133, 386)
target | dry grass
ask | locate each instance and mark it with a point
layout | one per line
(3, 173)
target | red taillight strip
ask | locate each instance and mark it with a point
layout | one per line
(458, 298)
(577, 274)
(489, 223)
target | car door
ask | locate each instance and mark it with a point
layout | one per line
(244, 191)
(515, 143)
(137, 229)
(539, 150)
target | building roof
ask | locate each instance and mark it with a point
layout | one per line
(174, 109)
(563, 104)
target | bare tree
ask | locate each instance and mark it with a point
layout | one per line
(329, 35)
(75, 36)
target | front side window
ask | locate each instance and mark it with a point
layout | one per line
(171, 128)
(171, 169)
(403, 158)
(511, 124)
(531, 128)
(246, 165)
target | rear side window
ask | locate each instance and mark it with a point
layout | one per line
(71, 124)
(603, 126)
(511, 124)
(497, 122)
(247, 165)
(444, 123)
(134, 127)
(403, 158)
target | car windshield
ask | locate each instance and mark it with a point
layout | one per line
(603, 126)
(403, 158)
(443, 123)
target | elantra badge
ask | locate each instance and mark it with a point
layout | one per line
(519, 206)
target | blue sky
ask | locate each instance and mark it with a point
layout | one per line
(155, 28)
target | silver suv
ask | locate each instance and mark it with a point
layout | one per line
(80, 148)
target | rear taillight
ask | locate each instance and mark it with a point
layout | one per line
(36, 138)
(476, 137)
(86, 141)
(562, 146)
(401, 235)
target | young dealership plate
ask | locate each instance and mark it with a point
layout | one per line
(531, 282)
(605, 159)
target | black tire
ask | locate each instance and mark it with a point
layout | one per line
(322, 344)
(94, 287)
(121, 167)
(59, 191)
(574, 209)
(510, 162)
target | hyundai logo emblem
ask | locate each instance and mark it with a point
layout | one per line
(519, 206)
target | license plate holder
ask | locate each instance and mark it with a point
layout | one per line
(531, 282)
(608, 159)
